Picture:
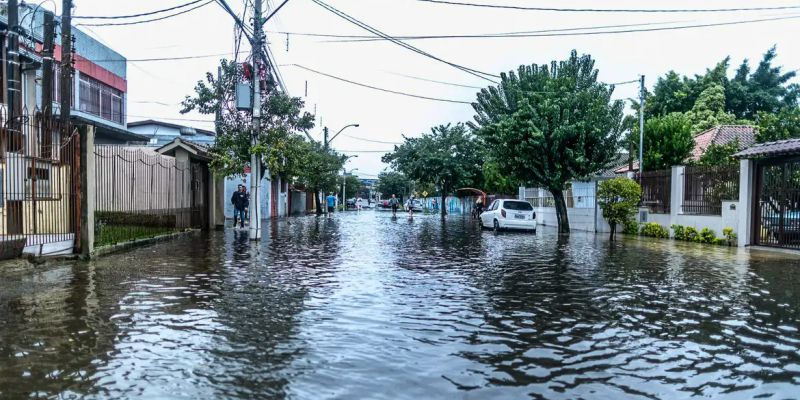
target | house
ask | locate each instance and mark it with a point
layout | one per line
(719, 135)
(38, 178)
(160, 133)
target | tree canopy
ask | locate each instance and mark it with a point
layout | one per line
(618, 199)
(391, 182)
(551, 123)
(779, 126)
(448, 157)
(668, 141)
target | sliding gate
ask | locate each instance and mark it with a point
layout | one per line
(777, 214)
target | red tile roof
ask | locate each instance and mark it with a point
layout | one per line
(718, 135)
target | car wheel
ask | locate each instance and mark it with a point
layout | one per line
(496, 226)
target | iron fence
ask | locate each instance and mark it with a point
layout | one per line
(706, 187)
(777, 211)
(142, 194)
(574, 197)
(656, 190)
(39, 173)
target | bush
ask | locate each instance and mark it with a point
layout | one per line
(720, 241)
(618, 198)
(679, 232)
(730, 237)
(691, 234)
(655, 230)
(630, 227)
(707, 236)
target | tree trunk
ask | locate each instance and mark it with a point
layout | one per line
(561, 211)
(613, 231)
(317, 200)
(444, 200)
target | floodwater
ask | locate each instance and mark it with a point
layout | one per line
(360, 306)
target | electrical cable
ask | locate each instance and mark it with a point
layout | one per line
(149, 20)
(602, 10)
(369, 140)
(378, 88)
(137, 15)
(479, 74)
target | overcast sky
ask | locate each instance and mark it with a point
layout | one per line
(156, 88)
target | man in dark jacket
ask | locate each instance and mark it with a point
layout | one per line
(239, 201)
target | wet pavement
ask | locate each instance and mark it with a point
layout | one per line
(363, 306)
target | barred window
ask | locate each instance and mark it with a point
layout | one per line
(99, 99)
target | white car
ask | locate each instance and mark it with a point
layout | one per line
(509, 214)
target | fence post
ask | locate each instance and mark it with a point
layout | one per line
(747, 188)
(676, 191)
(88, 185)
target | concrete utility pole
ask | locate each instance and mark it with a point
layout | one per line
(47, 63)
(12, 65)
(641, 125)
(66, 64)
(255, 162)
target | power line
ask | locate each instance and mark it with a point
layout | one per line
(364, 151)
(340, 14)
(137, 15)
(149, 20)
(615, 10)
(177, 58)
(435, 81)
(369, 140)
(378, 88)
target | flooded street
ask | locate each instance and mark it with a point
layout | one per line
(363, 306)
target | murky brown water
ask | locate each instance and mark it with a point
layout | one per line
(360, 306)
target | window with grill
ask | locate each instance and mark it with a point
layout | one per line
(99, 99)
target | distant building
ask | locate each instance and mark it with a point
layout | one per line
(160, 133)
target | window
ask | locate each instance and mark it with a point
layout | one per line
(493, 206)
(38, 178)
(99, 99)
(517, 205)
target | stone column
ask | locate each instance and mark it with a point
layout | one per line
(88, 191)
(747, 174)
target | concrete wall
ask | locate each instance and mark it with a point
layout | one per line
(230, 187)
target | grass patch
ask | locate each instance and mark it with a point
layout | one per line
(113, 234)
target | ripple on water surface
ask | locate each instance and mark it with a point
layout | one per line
(364, 306)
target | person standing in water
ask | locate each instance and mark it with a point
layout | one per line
(410, 206)
(393, 202)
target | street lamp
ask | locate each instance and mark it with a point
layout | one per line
(344, 185)
(328, 141)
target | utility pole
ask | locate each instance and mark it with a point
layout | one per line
(641, 125)
(255, 163)
(66, 65)
(47, 64)
(12, 66)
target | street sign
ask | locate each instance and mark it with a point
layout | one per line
(246, 170)
(424, 194)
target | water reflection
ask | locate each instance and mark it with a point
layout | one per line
(365, 305)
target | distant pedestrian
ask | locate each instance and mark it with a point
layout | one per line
(331, 200)
(394, 202)
(239, 201)
(410, 205)
(359, 203)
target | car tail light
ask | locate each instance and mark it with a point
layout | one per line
(503, 212)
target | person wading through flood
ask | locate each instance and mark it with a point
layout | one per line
(410, 206)
(331, 200)
(394, 202)
(239, 201)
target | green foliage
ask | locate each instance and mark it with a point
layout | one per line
(766, 89)
(707, 236)
(630, 227)
(278, 143)
(494, 181)
(134, 218)
(618, 199)
(709, 109)
(730, 237)
(548, 124)
(719, 242)
(391, 182)
(679, 232)
(668, 141)
(716, 154)
(321, 167)
(691, 234)
(653, 229)
(113, 234)
(783, 125)
(448, 157)
(352, 186)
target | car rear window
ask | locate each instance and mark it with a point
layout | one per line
(517, 205)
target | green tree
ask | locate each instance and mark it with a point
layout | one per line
(709, 109)
(320, 170)
(393, 183)
(352, 186)
(767, 89)
(668, 141)
(783, 125)
(494, 181)
(448, 157)
(618, 199)
(278, 141)
(720, 154)
(548, 124)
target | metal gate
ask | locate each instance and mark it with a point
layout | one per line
(777, 216)
(199, 210)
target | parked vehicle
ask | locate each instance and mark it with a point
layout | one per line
(509, 214)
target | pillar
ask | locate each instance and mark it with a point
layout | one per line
(676, 191)
(217, 201)
(88, 191)
(747, 206)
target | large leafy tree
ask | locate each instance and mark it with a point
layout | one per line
(708, 110)
(448, 157)
(393, 183)
(783, 125)
(548, 124)
(668, 141)
(278, 141)
(320, 170)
